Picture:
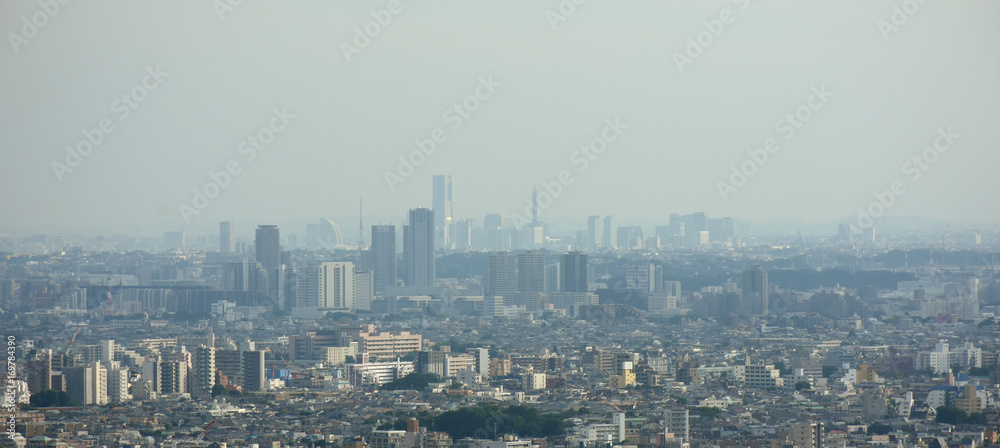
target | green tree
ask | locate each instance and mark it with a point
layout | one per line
(49, 397)
(950, 415)
(878, 428)
(802, 385)
(412, 381)
(217, 390)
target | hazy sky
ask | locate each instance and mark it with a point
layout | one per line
(891, 89)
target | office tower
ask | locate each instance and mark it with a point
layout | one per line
(328, 285)
(501, 275)
(641, 277)
(88, 384)
(755, 290)
(672, 288)
(364, 291)
(595, 232)
(383, 257)
(229, 363)
(227, 237)
(442, 206)
(463, 235)
(552, 277)
(418, 248)
(531, 272)
(268, 252)
(721, 230)
(203, 372)
(253, 371)
(496, 236)
(630, 237)
(609, 239)
(246, 275)
(678, 422)
(573, 272)
(807, 435)
(268, 246)
(173, 240)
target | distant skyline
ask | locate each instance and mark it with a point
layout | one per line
(611, 111)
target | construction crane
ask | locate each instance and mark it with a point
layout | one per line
(202, 435)
(71, 341)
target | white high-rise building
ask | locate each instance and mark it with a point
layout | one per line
(329, 285)
(88, 384)
(107, 351)
(203, 372)
(118, 383)
(364, 290)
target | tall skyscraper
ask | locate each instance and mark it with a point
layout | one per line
(268, 245)
(246, 275)
(595, 232)
(253, 371)
(501, 275)
(573, 272)
(496, 235)
(609, 239)
(531, 272)
(755, 290)
(418, 248)
(463, 235)
(383, 257)
(227, 237)
(443, 213)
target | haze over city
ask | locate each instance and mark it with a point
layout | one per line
(199, 79)
(499, 224)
